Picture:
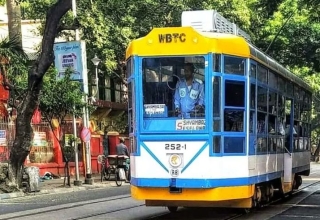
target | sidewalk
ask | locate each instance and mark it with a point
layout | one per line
(55, 186)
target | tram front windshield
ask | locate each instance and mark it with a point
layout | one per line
(173, 88)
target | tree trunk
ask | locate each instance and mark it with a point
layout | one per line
(22, 143)
(316, 153)
(14, 20)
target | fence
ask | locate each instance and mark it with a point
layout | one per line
(7, 134)
(42, 145)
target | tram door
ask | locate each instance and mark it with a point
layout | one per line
(288, 142)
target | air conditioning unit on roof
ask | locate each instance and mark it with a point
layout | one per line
(211, 21)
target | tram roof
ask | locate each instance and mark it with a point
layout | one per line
(191, 42)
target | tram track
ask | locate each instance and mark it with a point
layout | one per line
(278, 200)
(107, 212)
(236, 214)
(128, 207)
(77, 205)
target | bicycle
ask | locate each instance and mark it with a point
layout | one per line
(121, 166)
(105, 174)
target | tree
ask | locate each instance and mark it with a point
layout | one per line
(26, 108)
(108, 29)
(61, 98)
(14, 20)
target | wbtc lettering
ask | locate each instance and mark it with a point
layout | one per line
(172, 38)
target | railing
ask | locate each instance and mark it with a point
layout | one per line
(40, 152)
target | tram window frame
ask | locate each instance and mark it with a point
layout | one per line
(253, 92)
(273, 80)
(231, 61)
(262, 98)
(216, 63)
(273, 99)
(216, 102)
(253, 70)
(236, 103)
(290, 89)
(129, 67)
(233, 106)
(216, 140)
(164, 73)
(262, 74)
(252, 121)
(237, 145)
(282, 85)
(131, 110)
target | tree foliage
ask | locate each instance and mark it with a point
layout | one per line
(60, 97)
(287, 29)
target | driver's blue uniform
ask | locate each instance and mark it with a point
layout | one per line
(187, 98)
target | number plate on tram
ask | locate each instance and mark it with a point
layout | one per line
(175, 146)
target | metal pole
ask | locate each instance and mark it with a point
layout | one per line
(77, 182)
(97, 82)
(88, 178)
(74, 11)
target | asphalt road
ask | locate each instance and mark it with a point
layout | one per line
(50, 200)
(116, 203)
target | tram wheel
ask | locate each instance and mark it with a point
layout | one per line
(246, 211)
(173, 209)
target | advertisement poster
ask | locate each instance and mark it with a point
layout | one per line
(40, 139)
(71, 55)
(3, 138)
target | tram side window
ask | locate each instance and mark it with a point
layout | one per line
(234, 106)
(216, 63)
(253, 70)
(234, 65)
(262, 74)
(282, 85)
(216, 103)
(273, 80)
(129, 67)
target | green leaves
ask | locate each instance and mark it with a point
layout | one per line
(60, 97)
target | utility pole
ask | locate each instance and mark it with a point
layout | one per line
(88, 178)
(77, 182)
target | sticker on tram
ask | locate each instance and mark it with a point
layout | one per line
(175, 146)
(174, 172)
(190, 124)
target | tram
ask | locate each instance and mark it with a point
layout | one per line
(214, 122)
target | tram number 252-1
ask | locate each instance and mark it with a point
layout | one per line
(175, 146)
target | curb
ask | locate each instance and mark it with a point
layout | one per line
(4, 196)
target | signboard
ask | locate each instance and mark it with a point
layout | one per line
(3, 138)
(72, 55)
(155, 110)
(190, 124)
(85, 135)
(40, 139)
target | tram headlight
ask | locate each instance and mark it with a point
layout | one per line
(175, 160)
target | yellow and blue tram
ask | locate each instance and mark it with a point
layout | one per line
(251, 137)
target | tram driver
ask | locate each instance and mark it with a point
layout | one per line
(189, 93)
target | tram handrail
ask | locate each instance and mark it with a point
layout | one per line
(286, 149)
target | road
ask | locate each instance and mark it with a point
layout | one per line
(116, 203)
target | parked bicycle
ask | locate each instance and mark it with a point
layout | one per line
(115, 165)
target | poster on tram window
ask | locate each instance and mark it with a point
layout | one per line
(3, 138)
